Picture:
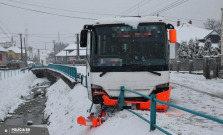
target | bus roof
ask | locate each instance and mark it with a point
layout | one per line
(132, 21)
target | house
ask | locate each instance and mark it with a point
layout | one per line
(3, 56)
(61, 56)
(70, 53)
(14, 53)
(187, 31)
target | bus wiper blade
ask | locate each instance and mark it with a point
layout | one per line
(156, 73)
(103, 73)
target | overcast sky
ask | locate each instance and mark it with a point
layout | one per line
(44, 27)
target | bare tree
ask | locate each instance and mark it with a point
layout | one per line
(212, 24)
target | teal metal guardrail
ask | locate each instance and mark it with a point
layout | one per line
(39, 66)
(68, 70)
(9, 73)
(153, 101)
(82, 80)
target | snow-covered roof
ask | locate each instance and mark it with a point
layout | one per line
(82, 52)
(61, 53)
(70, 47)
(186, 31)
(15, 49)
(132, 21)
(2, 49)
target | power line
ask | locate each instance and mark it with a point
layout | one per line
(67, 10)
(67, 16)
(168, 7)
(5, 27)
(4, 32)
(155, 6)
(132, 7)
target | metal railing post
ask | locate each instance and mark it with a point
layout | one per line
(82, 77)
(85, 81)
(121, 98)
(4, 74)
(153, 112)
(0, 75)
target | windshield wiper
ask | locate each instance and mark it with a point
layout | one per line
(133, 65)
(156, 73)
(103, 73)
(137, 67)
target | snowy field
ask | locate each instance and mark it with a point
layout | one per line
(64, 105)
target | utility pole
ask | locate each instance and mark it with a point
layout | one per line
(20, 34)
(38, 56)
(45, 47)
(12, 41)
(78, 51)
(25, 49)
(58, 37)
(27, 44)
(222, 37)
(54, 50)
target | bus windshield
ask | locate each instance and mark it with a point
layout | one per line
(122, 45)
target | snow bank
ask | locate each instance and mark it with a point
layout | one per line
(11, 90)
(64, 105)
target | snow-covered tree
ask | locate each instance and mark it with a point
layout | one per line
(182, 52)
(219, 47)
(200, 52)
(191, 49)
(196, 48)
(214, 51)
(207, 50)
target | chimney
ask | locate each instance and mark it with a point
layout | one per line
(178, 23)
(190, 22)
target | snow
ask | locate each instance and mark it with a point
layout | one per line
(131, 21)
(70, 47)
(82, 52)
(11, 90)
(186, 31)
(61, 53)
(213, 86)
(64, 105)
(15, 49)
(74, 53)
(2, 49)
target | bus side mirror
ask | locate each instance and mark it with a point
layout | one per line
(83, 42)
(173, 35)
